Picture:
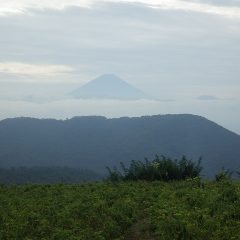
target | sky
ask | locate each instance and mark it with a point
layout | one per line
(185, 53)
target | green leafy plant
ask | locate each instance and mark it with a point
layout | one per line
(223, 175)
(126, 210)
(161, 168)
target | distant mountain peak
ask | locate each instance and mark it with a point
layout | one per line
(109, 76)
(109, 86)
(108, 79)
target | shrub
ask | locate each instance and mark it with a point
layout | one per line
(161, 168)
(223, 175)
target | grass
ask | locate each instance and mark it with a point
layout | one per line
(187, 209)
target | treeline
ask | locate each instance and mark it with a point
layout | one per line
(159, 169)
(46, 175)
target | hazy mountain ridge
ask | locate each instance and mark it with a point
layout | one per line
(109, 86)
(97, 142)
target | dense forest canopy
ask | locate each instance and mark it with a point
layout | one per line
(96, 142)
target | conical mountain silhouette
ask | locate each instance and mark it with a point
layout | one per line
(109, 86)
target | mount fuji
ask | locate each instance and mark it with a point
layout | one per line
(109, 86)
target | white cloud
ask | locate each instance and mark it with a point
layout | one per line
(21, 6)
(33, 70)
(226, 11)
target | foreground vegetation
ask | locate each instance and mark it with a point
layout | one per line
(189, 209)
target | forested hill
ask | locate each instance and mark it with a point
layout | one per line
(97, 142)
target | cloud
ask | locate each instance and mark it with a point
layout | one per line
(207, 98)
(233, 3)
(149, 48)
(225, 11)
(204, 6)
(33, 70)
(25, 6)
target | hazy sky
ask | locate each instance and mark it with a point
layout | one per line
(186, 53)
